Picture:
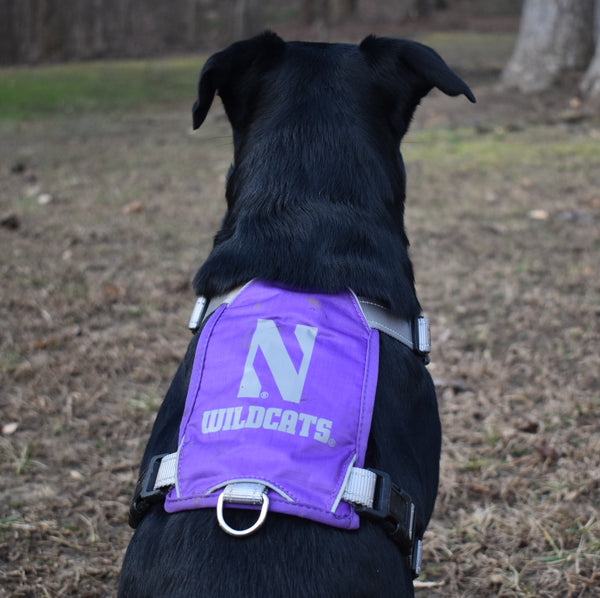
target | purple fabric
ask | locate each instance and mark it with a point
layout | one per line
(282, 392)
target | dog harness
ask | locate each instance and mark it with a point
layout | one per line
(278, 413)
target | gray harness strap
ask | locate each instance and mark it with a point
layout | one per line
(413, 334)
(371, 492)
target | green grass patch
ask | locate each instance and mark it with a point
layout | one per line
(69, 89)
(466, 149)
(74, 88)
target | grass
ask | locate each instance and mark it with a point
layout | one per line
(74, 88)
(513, 302)
(465, 149)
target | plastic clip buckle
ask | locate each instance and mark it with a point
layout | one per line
(394, 509)
(144, 495)
(148, 492)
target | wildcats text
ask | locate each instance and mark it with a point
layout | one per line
(267, 418)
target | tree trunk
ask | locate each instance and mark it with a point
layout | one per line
(315, 12)
(555, 36)
(339, 10)
(424, 8)
(248, 18)
(590, 84)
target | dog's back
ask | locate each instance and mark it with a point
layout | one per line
(315, 201)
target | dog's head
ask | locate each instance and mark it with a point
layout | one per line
(389, 75)
(316, 132)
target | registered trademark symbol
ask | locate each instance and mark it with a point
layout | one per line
(331, 442)
(264, 395)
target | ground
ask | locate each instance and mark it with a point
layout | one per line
(107, 212)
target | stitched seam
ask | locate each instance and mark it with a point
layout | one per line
(392, 332)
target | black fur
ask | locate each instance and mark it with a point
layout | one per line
(315, 200)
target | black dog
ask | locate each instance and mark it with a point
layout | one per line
(315, 202)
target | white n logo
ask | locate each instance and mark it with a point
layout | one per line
(289, 381)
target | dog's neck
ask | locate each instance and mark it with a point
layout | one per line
(316, 198)
(311, 242)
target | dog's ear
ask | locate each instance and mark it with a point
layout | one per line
(225, 72)
(422, 61)
(206, 89)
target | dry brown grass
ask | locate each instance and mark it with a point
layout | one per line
(95, 295)
(507, 259)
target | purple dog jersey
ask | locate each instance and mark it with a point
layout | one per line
(281, 393)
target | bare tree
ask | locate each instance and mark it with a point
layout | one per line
(341, 9)
(555, 36)
(424, 8)
(248, 18)
(53, 30)
(327, 12)
(590, 84)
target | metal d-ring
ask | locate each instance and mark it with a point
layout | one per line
(242, 532)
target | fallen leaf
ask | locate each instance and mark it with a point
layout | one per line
(538, 214)
(10, 428)
(57, 339)
(547, 452)
(480, 489)
(22, 371)
(530, 427)
(134, 207)
(112, 292)
(10, 221)
(44, 199)
(48, 341)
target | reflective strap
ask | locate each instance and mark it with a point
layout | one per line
(415, 335)
(204, 308)
(359, 490)
(167, 471)
(380, 318)
(360, 487)
(244, 493)
(166, 474)
(370, 491)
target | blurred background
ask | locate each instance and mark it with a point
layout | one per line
(555, 36)
(50, 30)
(109, 204)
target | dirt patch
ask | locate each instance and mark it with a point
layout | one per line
(104, 220)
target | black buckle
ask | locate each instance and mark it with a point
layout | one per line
(144, 495)
(394, 509)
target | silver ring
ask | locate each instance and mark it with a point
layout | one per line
(242, 532)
